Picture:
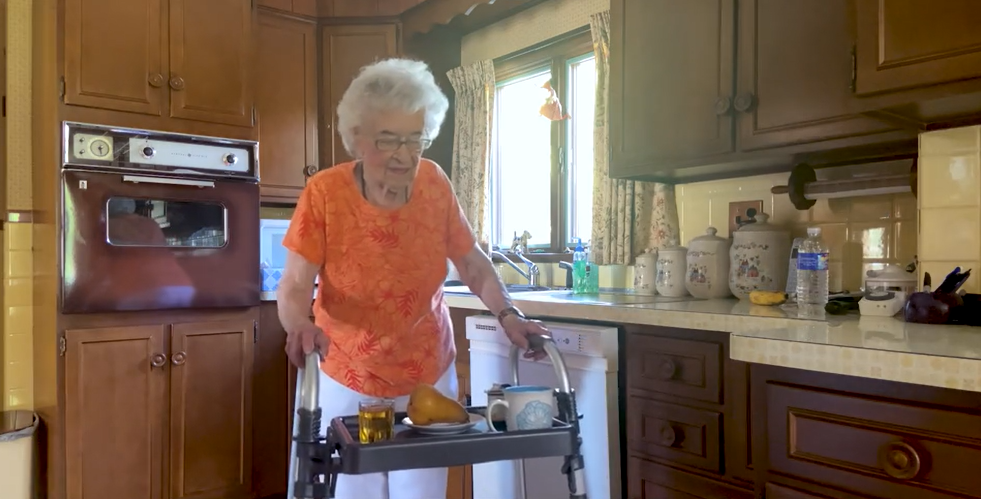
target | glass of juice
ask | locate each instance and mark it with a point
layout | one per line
(376, 420)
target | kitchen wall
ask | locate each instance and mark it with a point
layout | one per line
(530, 27)
(950, 203)
(18, 270)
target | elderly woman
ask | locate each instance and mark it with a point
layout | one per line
(378, 231)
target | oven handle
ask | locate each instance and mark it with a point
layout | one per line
(136, 179)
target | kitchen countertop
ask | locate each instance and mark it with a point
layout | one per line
(884, 348)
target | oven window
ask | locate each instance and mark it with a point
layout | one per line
(164, 223)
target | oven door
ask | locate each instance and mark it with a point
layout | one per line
(134, 242)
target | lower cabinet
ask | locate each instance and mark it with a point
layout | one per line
(648, 480)
(159, 411)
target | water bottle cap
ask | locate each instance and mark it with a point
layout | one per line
(813, 231)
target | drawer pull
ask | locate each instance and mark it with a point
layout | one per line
(668, 435)
(179, 358)
(900, 461)
(667, 370)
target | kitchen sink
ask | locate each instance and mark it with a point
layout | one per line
(511, 288)
(603, 298)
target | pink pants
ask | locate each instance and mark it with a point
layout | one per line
(339, 400)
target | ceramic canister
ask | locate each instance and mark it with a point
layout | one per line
(707, 276)
(671, 264)
(645, 271)
(758, 258)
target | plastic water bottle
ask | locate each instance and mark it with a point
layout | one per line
(812, 270)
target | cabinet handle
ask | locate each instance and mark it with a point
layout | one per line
(722, 105)
(744, 102)
(156, 80)
(158, 360)
(667, 370)
(668, 435)
(177, 83)
(900, 460)
(310, 170)
(179, 358)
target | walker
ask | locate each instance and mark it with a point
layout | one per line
(314, 467)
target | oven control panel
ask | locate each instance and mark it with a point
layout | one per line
(183, 155)
(122, 149)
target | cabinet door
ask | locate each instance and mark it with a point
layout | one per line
(346, 50)
(671, 83)
(211, 61)
(115, 408)
(795, 74)
(916, 43)
(286, 99)
(211, 410)
(115, 55)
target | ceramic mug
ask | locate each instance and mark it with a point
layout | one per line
(528, 407)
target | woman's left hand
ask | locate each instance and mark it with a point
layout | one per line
(517, 330)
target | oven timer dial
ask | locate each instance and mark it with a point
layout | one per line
(230, 159)
(148, 152)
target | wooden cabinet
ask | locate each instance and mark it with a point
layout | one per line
(916, 43)
(157, 412)
(345, 50)
(757, 85)
(301, 7)
(286, 103)
(190, 57)
(686, 414)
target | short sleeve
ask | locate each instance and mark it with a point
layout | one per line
(459, 235)
(308, 228)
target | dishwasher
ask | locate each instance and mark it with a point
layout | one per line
(591, 358)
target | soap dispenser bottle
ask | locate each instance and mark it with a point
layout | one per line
(591, 283)
(579, 269)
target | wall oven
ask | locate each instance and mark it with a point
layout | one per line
(156, 221)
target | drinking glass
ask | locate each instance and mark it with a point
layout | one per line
(376, 420)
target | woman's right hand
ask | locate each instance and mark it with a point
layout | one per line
(304, 339)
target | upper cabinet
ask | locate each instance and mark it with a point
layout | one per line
(301, 7)
(916, 43)
(345, 50)
(286, 103)
(191, 58)
(706, 89)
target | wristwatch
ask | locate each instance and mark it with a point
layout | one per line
(509, 311)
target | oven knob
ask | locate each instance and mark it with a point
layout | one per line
(230, 159)
(148, 152)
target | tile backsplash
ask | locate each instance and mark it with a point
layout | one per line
(949, 178)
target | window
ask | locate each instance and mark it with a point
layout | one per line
(541, 171)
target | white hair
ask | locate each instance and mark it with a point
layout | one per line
(390, 85)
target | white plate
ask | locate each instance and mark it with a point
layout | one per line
(444, 428)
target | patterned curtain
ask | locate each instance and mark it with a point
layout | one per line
(474, 87)
(628, 217)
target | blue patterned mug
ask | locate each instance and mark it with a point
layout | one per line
(528, 407)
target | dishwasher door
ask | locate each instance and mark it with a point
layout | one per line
(596, 397)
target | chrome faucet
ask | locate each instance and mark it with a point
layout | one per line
(532, 273)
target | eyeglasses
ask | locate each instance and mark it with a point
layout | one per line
(391, 144)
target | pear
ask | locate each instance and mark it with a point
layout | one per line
(427, 406)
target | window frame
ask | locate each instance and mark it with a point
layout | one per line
(554, 54)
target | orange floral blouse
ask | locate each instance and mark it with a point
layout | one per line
(380, 298)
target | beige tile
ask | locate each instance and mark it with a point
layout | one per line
(875, 239)
(951, 141)
(18, 236)
(17, 375)
(19, 321)
(947, 181)
(835, 236)
(870, 209)
(18, 292)
(19, 398)
(949, 234)
(904, 240)
(830, 210)
(20, 263)
(904, 206)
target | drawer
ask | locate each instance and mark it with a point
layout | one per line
(679, 434)
(683, 368)
(873, 446)
(649, 480)
(774, 491)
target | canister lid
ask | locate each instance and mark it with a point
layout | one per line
(760, 225)
(709, 236)
(672, 249)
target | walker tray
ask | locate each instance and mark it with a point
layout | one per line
(409, 449)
